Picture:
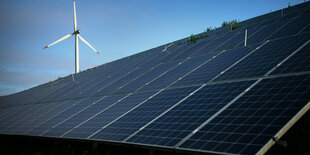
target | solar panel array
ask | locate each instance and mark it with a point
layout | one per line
(215, 96)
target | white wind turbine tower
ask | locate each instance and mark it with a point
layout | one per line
(77, 36)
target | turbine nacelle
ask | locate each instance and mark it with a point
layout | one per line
(77, 32)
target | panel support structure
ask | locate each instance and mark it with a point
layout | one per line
(288, 125)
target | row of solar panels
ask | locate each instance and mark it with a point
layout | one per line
(127, 75)
(247, 111)
(214, 96)
(233, 117)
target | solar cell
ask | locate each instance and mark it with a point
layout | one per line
(10, 113)
(40, 117)
(265, 58)
(147, 77)
(18, 126)
(216, 43)
(251, 121)
(43, 121)
(299, 62)
(194, 48)
(182, 48)
(135, 119)
(305, 29)
(22, 111)
(177, 123)
(46, 93)
(177, 72)
(214, 67)
(82, 114)
(107, 89)
(292, 27)
(233, 42)
(267, 30)
(93, 86)
(97, 85)
(85, 128)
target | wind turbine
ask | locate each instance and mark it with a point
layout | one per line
(77, 37)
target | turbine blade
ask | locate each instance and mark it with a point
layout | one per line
(88, 44)
(74, 16)
(61, 39)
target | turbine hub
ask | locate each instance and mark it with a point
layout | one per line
(77, 32)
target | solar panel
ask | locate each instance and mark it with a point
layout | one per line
(43, 121)
(177, 123)
(233, 42)
(19, 126)
(182, 49)
(153, 74)
(265, 58)
(123, 127)
(194, 48)
(216, 43)
(80, 114)
(293, 27)
(113, 85)
(215, 66)
(255, 118)
(98, 85)
(13, 112)
(85, 128)
(268, 30)
(23, 111)
(177, 72)
(299, 62)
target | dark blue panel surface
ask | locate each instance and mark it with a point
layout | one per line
(215, 44)
(37, 118)
(306, 29)
(193, 49)
(297, 63)
(131, 122)
(178, 72)
(214, 67)
(18, 126)
(265, 58)
(37, 129)
(96, 107)
(10, 113)
(89, 89)
(172, 127)
(174, 53)
(60, 118)
(250, 122)
(122, 81)
(266, 31)
(97, 85)
(105, 117)
(231, 43)
(147, 77)
(292, 27)
(21, 112)
(76, 81)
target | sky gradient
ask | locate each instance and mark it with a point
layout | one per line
(116, 28)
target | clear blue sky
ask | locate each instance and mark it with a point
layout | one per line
(117, 28)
